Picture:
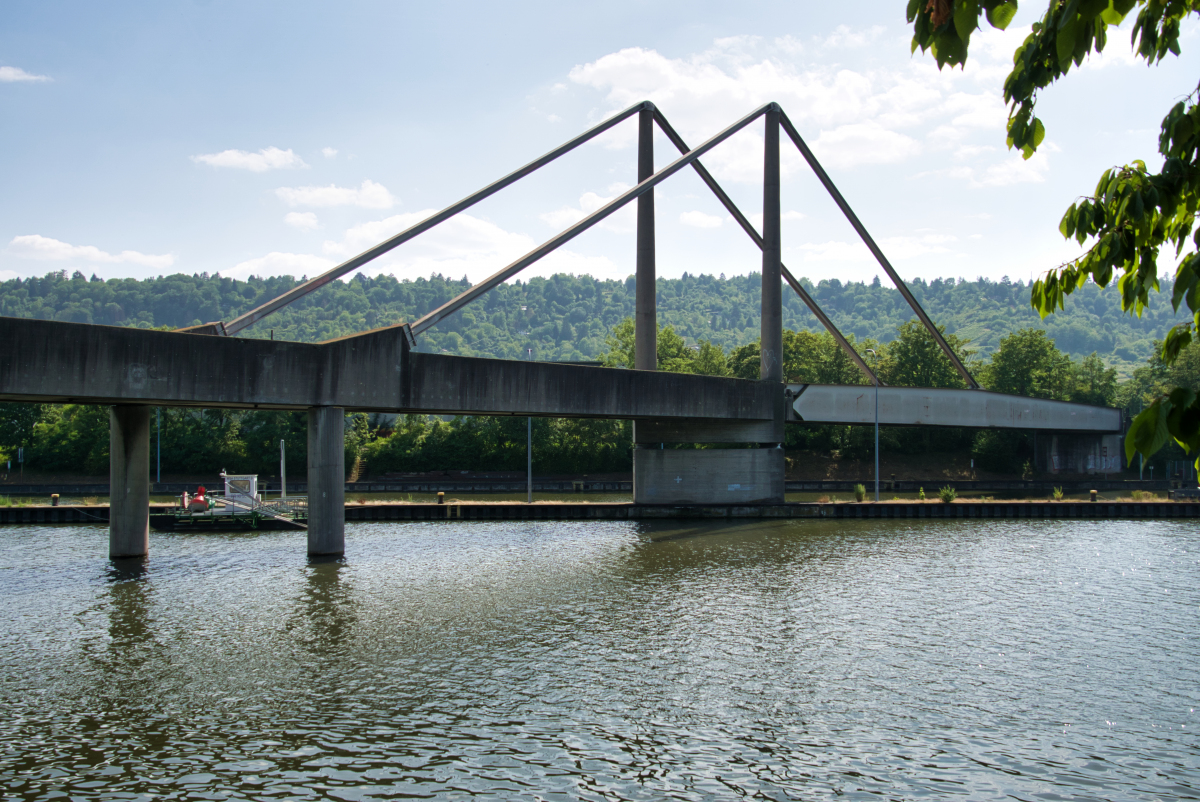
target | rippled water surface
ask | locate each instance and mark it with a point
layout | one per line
(790, 660)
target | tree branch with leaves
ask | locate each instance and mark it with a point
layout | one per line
(1134, 212)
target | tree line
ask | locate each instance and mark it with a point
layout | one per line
(74, 438)
(568, 317)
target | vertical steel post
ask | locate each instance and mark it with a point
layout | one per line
(529, 451)
(877, 428)
(645, 320)
(771, 343)
(875, 354)
(158, 433)
(282, 470)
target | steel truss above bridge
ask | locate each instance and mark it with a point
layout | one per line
(134, 369)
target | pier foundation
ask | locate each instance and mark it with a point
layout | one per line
(129, 481)
(326, 481)
(708, 476)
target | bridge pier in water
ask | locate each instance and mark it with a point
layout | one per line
(326, 481)
(714, 476)
(129, 481)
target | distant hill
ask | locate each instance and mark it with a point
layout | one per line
(567, 317)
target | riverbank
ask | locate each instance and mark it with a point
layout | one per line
(588, 485)
(567, 511)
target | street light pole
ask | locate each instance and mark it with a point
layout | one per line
(529, 447)
(875, 353)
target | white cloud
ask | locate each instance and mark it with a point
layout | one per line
(853, 117)
(14, 74)
(35, 246)
(305, 221)
(756, 219)
(267, 159)
(895, 248)
(369, 196)
(280, 264)
(1013, 170)
(971, 151)
(700, 220)
(863, 143)
(622, 221)
(329, 153)
(463, 245)
(845, 37)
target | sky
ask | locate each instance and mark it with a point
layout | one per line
(269, 138)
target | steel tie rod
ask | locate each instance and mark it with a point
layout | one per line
(748, 227)
(257, 314)
(578, 228)
(875, 251)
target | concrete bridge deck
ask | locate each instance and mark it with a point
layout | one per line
(52, 361)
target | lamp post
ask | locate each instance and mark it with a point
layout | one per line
(529, 446)
(875, 354)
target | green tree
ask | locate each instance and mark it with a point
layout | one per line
(674, 354)
(914, 359)
(710, 360)
(1134, 211)
(72, 438)
(261, 430)
(16, 427)
(744, 361)
(1028, 363)
(817, 358)
(1093, 382)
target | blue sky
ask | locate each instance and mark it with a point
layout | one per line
(139, 139)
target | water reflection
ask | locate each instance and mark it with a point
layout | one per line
(127, 600)
(323, 616)
(773, 660)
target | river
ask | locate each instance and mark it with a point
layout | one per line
(607, 661)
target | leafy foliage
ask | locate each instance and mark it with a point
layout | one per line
(571, 317)
(1134, 212)
(692, 339)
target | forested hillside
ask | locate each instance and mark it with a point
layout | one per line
(71, 438)
(568, 317)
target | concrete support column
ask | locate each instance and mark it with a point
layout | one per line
(326, 481)
(645, 317)
(771, 354)
(129, 481)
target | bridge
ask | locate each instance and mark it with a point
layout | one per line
(134, 370)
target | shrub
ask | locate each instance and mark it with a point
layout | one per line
(860, 492)
(947, 494)
(1058, 494)
(920, 494)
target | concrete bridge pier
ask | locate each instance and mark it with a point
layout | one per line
(326, 481)
(752, 474)
(129, 481)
